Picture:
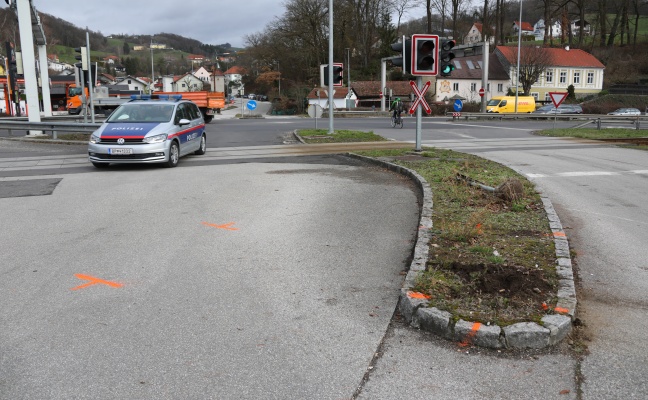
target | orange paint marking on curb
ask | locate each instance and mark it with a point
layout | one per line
(560, 234)
(94, 281)
(418, 295)
(471, 335)
(561, 310)
(227, 226)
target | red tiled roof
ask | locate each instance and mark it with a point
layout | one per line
(340, 93)
(235, 70)
(560, 57)
(525, 25)
(478, 25)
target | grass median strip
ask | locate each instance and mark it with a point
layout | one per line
(340, 136)
(492, 256)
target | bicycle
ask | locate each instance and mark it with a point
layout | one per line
(397, 121)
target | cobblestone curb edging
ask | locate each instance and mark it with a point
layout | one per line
(416, 312)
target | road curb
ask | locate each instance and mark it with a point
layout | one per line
(524, 335)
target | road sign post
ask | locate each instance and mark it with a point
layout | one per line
(420, 99)
(557, 98)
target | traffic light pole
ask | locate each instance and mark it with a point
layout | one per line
(419, 117)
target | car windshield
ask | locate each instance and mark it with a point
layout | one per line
(493, 102)
(142, 113)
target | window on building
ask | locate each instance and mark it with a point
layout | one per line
(455, 87)
(473, 87)
(547, 97)
(577, 78)
(563, 76)
(590, 77)
(500, 87)
(549, 76)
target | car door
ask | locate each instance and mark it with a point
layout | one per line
(197, 126)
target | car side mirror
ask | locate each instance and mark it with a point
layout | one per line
(184, 121)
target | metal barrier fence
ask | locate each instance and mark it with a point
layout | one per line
(596, 119)
(48, 126)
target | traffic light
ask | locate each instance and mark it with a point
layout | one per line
(405, 59)
(445, 57)
(424, 54)
(337, 74)
(82, 56)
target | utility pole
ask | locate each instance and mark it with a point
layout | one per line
(330, 70)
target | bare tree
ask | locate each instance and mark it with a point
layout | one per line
(442, 8)
(534, 61)
(401, 7)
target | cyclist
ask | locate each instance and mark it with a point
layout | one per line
(397, 107)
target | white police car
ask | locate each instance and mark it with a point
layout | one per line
(144, 130)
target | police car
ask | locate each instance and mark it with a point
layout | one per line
(146, 130)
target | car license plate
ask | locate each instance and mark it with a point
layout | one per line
(120, 151)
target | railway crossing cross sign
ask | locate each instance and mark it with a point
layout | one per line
(419, 97)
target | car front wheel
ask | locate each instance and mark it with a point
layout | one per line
(174, 155)
(203, 146)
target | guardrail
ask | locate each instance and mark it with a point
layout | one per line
(54, 127)
(596, 119)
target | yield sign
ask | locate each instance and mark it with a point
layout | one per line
(557, 97)
(419, 97)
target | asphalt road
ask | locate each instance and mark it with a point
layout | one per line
(266, 279)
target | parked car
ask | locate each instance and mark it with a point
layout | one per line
(625, 111)
(251, 96)
(149, 131)
(562, 109)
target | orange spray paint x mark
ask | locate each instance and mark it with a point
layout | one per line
(559, 234)
(227, 226)
(418, 295)
(561, 310)
(94, 281)
(471, 335)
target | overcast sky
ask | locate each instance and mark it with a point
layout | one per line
(209, 21)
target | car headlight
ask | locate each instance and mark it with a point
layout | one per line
(94, 138)
(155, 139)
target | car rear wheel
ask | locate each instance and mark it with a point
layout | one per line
(203, 146)
(174, 155)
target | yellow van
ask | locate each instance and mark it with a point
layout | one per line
(506, 104)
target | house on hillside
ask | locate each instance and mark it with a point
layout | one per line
(202, 74)
(134, 83)
(180, 83)
(340, 98)
(540, 27)
(475, 35)
(568, 67)
(106, 79)
(466, 79)
(217, 80)
(233, 78)
(527, 28)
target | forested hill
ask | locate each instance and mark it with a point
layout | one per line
(61, 32)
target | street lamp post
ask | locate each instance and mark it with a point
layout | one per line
(152, 70)
(517, 84)
(279, 71)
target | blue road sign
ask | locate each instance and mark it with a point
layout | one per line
(251, 105)
(458, 105)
